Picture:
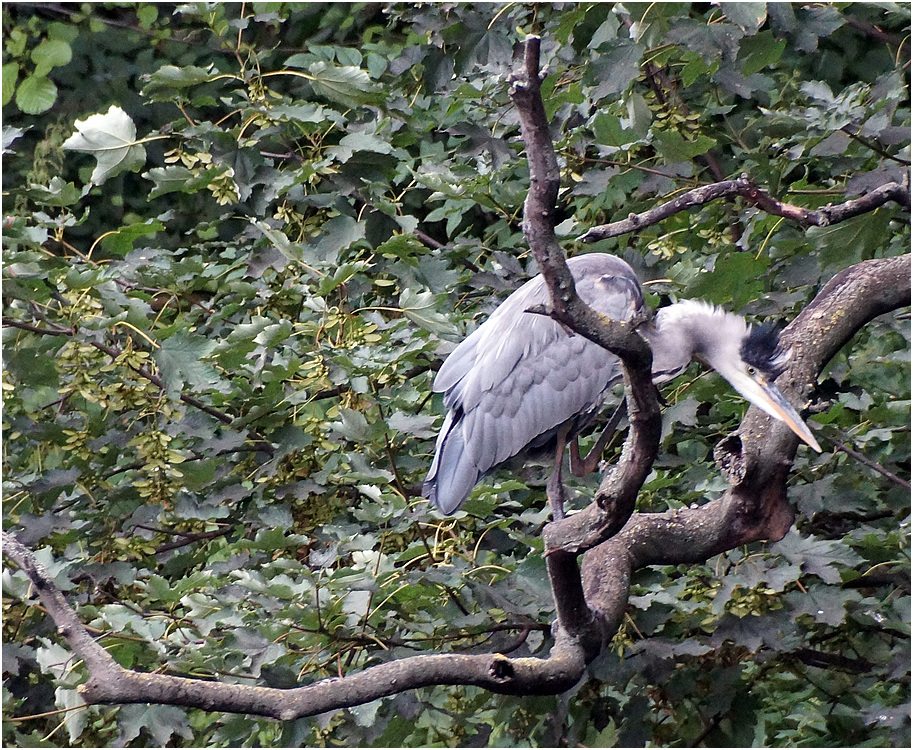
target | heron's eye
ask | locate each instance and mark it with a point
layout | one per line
(751, 370)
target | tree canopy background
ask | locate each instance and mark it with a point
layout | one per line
(240, 238)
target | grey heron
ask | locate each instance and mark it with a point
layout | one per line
(521, 383)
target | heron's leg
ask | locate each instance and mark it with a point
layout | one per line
(554, 489)
(582, 466)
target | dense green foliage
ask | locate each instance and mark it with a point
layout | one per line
(287, 214)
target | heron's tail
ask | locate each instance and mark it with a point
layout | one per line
(453, 473)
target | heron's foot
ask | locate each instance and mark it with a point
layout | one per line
(554, 490)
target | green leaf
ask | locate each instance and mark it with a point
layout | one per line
(338, 233)
(179, 361)
(608, 131)
(760, 51)
(306, 112)
(736, 280)
(146, 14)
(816, 556)
(161, 722)
(825, 604)
(421, 309)
(76, 717)
(850, 241)
(10, 76)
(111, 139)
(614, 69)
(168, 179)
(747, 16)
(56, 193)
(163, 83)
(278, 239)
(51, 54)
(121, 241)
(36, 94)
(674, 148)
(346, 85)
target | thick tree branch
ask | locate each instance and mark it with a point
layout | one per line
(568, 537)
(615, 501)
(110, 683)
(744, 187)
(757, 461)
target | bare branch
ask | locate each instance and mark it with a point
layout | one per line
(110, 683)
(873, 465)
(757, 461)
(744, 187)
(615, 501)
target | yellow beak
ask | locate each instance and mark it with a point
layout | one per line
(765, 395)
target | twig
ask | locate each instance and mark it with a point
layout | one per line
(114, 352)
(873, 146)
(868, 462)
(9, 322)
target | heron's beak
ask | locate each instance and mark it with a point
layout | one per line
(765, 395)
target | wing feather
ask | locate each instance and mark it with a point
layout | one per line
(519, 376)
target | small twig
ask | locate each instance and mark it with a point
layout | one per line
(868, 462)
(114, 352)
(38, 329)
(873, 31)
(873, 146)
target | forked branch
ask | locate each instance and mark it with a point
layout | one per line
(590, 607)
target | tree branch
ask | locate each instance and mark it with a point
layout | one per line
(744, 187)
(756, 460)
(615, 501)
(110, 683)
(568, 537)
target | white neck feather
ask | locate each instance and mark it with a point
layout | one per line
(692, 329)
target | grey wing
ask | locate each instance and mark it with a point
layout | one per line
(520, 376)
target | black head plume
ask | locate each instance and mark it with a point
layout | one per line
(761, 350)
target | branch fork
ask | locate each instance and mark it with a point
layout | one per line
(613, 540)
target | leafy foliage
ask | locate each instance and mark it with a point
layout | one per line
(221, 324)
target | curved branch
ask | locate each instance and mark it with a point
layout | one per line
(744, 187)
(566, 538)
(110, 683)
(615, 500)
(758, 459)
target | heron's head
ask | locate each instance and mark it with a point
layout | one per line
(750, 359)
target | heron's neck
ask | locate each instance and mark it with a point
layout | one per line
(691, 329)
